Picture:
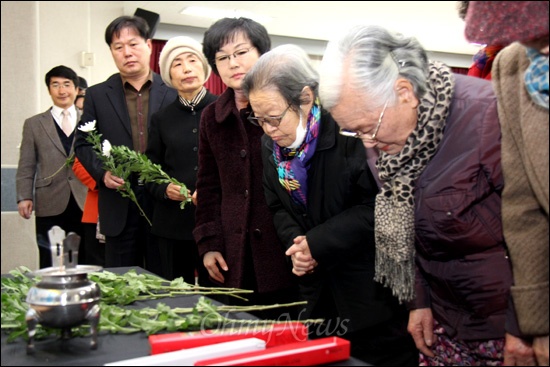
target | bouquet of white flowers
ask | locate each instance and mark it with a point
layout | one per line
(122, 161)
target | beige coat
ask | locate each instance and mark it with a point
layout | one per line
(41, 155)
(525, 196)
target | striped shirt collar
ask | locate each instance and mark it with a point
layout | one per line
(195, 101)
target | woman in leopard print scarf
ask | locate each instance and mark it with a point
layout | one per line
(438, 230)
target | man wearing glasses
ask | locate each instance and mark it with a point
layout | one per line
(122, 106)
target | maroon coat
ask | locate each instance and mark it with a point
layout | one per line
(232, 214)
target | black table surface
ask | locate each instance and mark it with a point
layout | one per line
(76, 351)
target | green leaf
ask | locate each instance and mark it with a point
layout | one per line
(118, 290)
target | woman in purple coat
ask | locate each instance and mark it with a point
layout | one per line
(234, 227)
(438, 227)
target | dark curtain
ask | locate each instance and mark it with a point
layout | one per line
(214, 84)
(463, 71)
(155, 55)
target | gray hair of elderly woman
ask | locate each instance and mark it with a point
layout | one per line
(375, 59)
(287, 69)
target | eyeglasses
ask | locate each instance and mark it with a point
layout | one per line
(65, 85)
(274, 121)
(224, 59)
(359, 134)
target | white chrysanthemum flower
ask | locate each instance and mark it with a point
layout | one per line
(106, 148)
(88, 127)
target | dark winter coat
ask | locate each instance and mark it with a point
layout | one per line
(232, 215)
(105, 103)
(173, 143)
(339, 227)
(464, 273)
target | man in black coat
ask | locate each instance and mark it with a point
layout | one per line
(121, 107)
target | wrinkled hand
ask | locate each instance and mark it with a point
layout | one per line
(540, 346)
(213, 261)
(518, 352)
(111, 181)
(421, 328)
(173, 192)
(302, 261)
(25, 208)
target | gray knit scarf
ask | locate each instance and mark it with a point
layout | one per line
(394, 209)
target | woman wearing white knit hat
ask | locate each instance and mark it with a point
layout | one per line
(173, 143)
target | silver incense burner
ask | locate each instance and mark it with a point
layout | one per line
(64, 297)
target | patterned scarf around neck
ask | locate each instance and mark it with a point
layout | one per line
(394, 209)
(292, 164)
(536, 77)
(483, 61)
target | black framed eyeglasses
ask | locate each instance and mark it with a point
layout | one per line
(359, 134)
(224, 59)
(274, 121)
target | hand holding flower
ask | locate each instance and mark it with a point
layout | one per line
(174, 192)
(120, 162)
(116, 166)
(111, 181)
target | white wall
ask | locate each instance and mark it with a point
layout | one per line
(37, 36)
(313, 47)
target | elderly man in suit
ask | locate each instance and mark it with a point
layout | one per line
(44, 182)
(121, 107)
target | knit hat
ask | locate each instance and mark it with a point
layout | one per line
(504, 22)
(176, 46)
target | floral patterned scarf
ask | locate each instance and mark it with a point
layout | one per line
(292, 164)
(483, 61)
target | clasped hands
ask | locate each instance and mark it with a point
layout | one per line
(302, 261)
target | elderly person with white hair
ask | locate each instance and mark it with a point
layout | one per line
(438, 225)
(173, 143)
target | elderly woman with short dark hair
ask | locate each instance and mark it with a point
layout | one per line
(322, 193)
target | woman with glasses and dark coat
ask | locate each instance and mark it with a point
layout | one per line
(234, 228)
(321, 191)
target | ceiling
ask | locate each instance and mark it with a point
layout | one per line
(435, 24)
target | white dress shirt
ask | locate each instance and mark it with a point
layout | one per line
(57, 113)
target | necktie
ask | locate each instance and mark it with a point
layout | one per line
(66, 124)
